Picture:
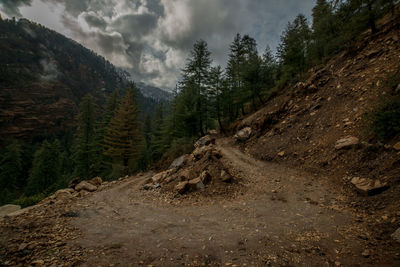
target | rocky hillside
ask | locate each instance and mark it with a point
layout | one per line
(43, 76)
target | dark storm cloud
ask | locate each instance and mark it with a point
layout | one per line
(11, 7)
(152, 38)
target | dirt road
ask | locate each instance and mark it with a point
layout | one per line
(283, 217)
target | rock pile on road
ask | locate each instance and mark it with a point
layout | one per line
(198, 171)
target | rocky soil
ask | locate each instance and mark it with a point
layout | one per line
(274, 216)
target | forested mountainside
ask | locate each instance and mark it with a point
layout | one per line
(43, 77)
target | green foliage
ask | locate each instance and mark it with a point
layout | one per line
(86, 149)
(46, 169)
(10, 166)
(123, 138)
(26, 201)
(386, 120)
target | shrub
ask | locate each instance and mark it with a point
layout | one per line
(386, 120)
(25, 201)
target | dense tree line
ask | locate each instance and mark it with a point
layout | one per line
(114, 140)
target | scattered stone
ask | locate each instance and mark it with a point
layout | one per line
(368, 187)
(38, 263)
(159, 177)
(243, 134)
(347, 142)
(147, 186)
(74, 182)
(195, 184)
(70, 214)
(396, 235)
(177, 163)
(225, 177)
(281, 154)
(157, 186)
(182, 187)
(204, 141)
(23, 246)
(199, 152)
(366, 253)
(96, 181)
(7, 209)
(63, 194)
(85, 186)
(205, 177)
(397, 146)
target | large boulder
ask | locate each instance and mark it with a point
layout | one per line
(7, 209)
(204, 141)
(243, 135)
(199, 152)
(347, 142)
(63, 194)
(367, 186)
(85, 186)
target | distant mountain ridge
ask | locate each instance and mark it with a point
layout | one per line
(43, 76)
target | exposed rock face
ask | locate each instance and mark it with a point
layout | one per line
(347, 142)
(7, 209)
(243, 134)
(368, 186)
(85, 186)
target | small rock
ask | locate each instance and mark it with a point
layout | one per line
(157, 186)
(159, 177)
(205, 177)
(9, 208)
(368, 187)
(397, 146)
(63, 194)
(396, 235)
(366, 253)
(177, 163)
(347, 142)
(38, 263)
(337, 263)
(85, 186)
(281, 154)
(196, 183)
(182, 187)
(96, 181)
(204, 141)
(225, 177)
(243, 134)
(74, 182)
(147, 186)
(22, 246)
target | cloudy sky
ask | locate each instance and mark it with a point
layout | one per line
(152, 38)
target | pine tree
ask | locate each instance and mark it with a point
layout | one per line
(45, 171)
(195, 78)
(86, 152)
(216, 90)
(292, 50)
(123, 138)
(10, 171)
